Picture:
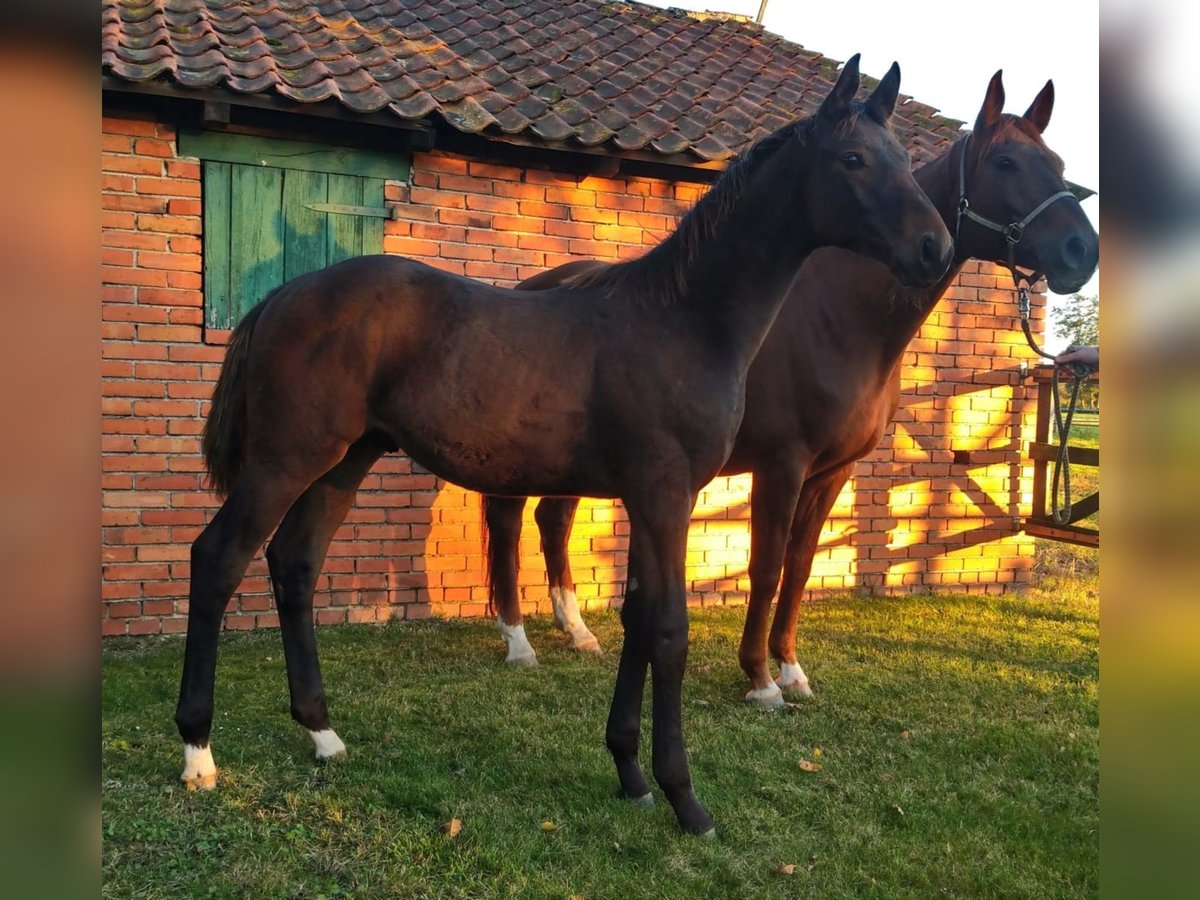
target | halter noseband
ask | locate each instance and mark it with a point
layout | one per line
(1012, 232)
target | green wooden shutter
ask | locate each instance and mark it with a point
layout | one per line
(272, 212)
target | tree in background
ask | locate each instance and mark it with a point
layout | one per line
(1077, 321)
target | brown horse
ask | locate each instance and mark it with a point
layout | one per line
(826, 382)
(629, 384)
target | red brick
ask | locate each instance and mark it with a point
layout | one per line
(131, 164)
(122, 183)
(177, 168)
(112, 627)
(114, 219)
(147, 147)
(180, 333)
(168, 187)
(133, 203)
(187, 262)
(179, 207)
(137, 127)
(135, 240)
(169, 224)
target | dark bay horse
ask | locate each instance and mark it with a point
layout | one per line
(826, 382)
(627, 384)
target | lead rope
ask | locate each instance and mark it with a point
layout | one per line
(1060, 514)
(1012, 233)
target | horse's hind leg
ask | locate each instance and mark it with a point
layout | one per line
(625, 715)
(772, 505)
(295, 556)
(219, 559)
(816, 500)
(503, 518)
(658, 536)
(554, 517)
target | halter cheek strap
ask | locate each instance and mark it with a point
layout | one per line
(1013, 231)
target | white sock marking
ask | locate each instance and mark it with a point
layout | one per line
(770, 697)
(568, 619)
(520, 652)
(792, 677)
(328, 744)
(199, 770)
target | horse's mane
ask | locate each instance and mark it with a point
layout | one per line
(660, 276)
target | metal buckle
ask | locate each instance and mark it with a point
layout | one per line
(1013, 232)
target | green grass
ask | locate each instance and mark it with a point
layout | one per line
(959, 740)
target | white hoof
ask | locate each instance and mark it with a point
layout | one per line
(328, 744)
(520, 652)
(770, 697)
(644, 800)
(199, 770)
(792, 678)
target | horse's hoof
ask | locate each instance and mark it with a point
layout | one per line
(205, 782)
(529, 660)
(770, 697)
(793, 680)
(646, 800)
(710, 835)
(328, 745)
(199, 770)
(801, 688)
(590, 645)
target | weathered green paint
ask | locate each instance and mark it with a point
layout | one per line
(304, 242)
(256, 242)
(345, 232)
(217, 220)
(372, 228)
(302, 156)
(260, 230)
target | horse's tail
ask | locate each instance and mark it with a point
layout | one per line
(224, 431)
(485, 534)
(489, 569)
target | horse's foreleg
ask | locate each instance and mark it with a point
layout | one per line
(772, 505)
(295, 557)
(554, 517)
(219, 558)
(816, 500)
(663, 524)
(503, 519)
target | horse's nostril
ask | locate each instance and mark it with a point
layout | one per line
(929, 250)
(1074, 251)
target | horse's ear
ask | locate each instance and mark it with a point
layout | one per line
(1039, 110)
(993, 104)
(837, 104)
(882, 102)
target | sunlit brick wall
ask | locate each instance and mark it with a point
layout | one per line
(911, 518)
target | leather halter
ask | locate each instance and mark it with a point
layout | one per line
(1013, 231)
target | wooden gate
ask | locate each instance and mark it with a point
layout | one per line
(1042, 453)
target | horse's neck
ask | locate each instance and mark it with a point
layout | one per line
(744, 268)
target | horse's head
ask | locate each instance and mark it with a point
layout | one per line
(1007, 173)
(861, 194)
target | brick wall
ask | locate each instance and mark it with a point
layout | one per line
(911, 518)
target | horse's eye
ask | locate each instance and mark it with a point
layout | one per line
(1004, 164)
(852, 161)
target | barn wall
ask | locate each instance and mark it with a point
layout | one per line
(912, 517)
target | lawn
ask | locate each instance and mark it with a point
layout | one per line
(958, 741)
